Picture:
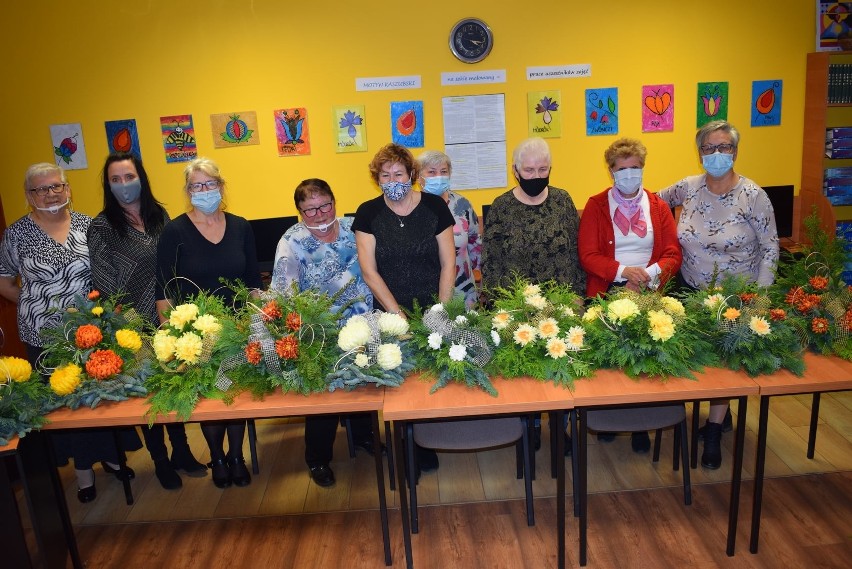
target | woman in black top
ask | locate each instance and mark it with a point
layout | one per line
(201, 246)
(123, 257)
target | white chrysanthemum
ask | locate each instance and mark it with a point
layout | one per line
(207, 324)
(389, 356)
(457, 352)
(759, 325)
(461, 319)
(495, 337)
(435, 340)
(362, 360)
(501, 319)
(672, 306)
(437, 308)
(568, 311)
(164, 346)
(182, 315)
(548, 328)
(593, 313)
(576, 337)
(524, 334)
(532, 289)
(472, 312)
(556, 348)
(621, 309)
(536, 301)
(392, 324)
(357, 318)
(355, 333)
(712, 301)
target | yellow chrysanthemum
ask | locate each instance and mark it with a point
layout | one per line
(501, 320)
(621, 309)
(524, 334)
(188, 347)
(97, 311)
(183, 315)
(64, 380)
(759, 326)
(548, 328)
(207, 324)
(164, 346)
(731, 313)
(672, 306)
(128, 339)
(661, 326)
(16, 369)
(593, 313)
(556, 348)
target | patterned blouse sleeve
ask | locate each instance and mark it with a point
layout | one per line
(9, 265)
(104, 272)
(674, 194)
(763, 221)
(493, 236)
(286, 269)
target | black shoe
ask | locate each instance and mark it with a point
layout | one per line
(606, 437)
(87, 494)
(239, 473)
(727, 425)
(322, 475)
(536, 437)
(167, 475)
(367, 445)
(426, 458)
(183, 460)
(221, 473)
(568, 448)
(122, 474)
(641, 442)
(712, 456)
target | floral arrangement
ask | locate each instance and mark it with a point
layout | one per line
(95, 354)
(374, 348)
(187, 355)
(22, 397)
(646, 333)
(818, 301)
(281, 340)
(454, 344)
(747, 332)
(538, 332)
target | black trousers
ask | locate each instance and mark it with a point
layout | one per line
(320, 432)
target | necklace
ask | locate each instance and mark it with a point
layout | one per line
(401, 222)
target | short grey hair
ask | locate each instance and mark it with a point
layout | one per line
(43, 169)
(535, 147)
(712, 127)
(434, 158)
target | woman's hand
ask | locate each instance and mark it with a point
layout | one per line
(636, 276)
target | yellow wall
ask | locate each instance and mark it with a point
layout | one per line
(89, 61)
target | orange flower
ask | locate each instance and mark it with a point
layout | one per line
(253, 353)
(287, 348)
(777, 314)
(731, 313)
(747, 296)
(793, 295)
(94, 295)
(819, 283)
(271, 311)
(87, 336)
(294, 321)
(103, 364)
(819, 325)
(846, 322)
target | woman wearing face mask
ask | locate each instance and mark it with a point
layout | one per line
(726, 226)
(435, 171)
(627, 238)
(200, 247)
(123, 254)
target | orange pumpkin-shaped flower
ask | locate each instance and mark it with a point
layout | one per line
(271, 311)
(103, 364)
(819, 325)
(793, 295)
(87, 336)
(287, 348)
(94, 295)
(777, 314)
(294, 321)
(818, 282)
(253, 353)
(747, 297)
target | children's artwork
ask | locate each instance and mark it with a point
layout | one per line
(407, 123)
(712, 104)
(766, 102)
(291, 132)
(68, 148)
(657, 108)
(178, 138)
(235, 129)
(350, 132)
(545, 120)
(833, 22)
(602, 111)
(123, 137)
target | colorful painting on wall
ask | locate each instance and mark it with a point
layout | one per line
(766, 102)
(350, 132)
(602, 111)
(407, 123)
(235, 129)
(68, 147)
(833, 20)
(122, 136)
(178, 138)
(291, 132)
(657, 108)
(544, 118)
(712, 103)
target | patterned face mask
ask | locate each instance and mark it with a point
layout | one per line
(395, 191)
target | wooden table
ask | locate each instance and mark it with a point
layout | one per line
(131, 412)
(822, 374)
(609, 388)
(412, 402)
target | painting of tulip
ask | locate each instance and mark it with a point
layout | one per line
(712, 104)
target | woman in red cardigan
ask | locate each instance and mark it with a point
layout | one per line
(628, 237)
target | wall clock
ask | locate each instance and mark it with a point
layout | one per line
(471, 40)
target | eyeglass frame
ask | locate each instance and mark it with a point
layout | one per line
(43, 191)
(318, 209)
(195, 187)
(708, 149)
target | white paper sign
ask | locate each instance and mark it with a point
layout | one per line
(387, 83)
(559, 71)
(473, 77)
(475, 140)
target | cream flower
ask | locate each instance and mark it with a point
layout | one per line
(556, 348)
(357, 318)
(495, 337)
(568, 311)
(128, 339)
(361, 360)
(461, 319)
(472, 312)
(437, 308)
(661, 326)
(392, 324)
(457, 352)
(435, 340)
(355, 333)
(524, 334)
(548, 328)
(593, 313)
(207, 324)
(164, 346)
(576, 337)
(501, 320)
(536, 301)
(532, 289)
(713, 301)
(182, 315)
(621, 309)
(759, 325)
(672, 306)
(189, 347)
(389, 356)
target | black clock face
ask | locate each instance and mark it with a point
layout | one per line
(471, 40)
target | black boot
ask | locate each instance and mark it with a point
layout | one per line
(727, 425)
(712, 457)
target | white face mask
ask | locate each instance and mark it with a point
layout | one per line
(324, 227)
(627, 181)
(54, 209)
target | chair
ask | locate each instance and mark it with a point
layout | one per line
(471, 435)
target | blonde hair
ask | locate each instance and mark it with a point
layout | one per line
(434, 158)
(535, 147)
(205, 166)
(625, 148)
(43, 169)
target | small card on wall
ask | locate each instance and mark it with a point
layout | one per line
(407, 123)
(291, 132)
(350, 132)
(544, 118)
(766, 102)
(68, 147)
(122, 136)
(712, 103)
(178, 138)
(234, 129)
(602, 111)
(657, 108)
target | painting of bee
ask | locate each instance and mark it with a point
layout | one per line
(178, 138)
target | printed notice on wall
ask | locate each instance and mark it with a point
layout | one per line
(475, 140)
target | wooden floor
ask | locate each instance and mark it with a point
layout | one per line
(480, 521)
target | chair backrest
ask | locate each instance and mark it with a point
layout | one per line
(627, 419)
(469, 434)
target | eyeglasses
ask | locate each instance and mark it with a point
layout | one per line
(312, 211)
(202, 186)
(42, 191)
(712, 148)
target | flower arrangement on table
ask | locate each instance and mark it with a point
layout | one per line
(538, 332)
(22, 397)
(374, 348)
(96, 354)
(745, 329)
(819, 302)
(281, 340)
(646, 333)
(454, 344)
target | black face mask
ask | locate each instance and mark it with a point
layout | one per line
(533, 186)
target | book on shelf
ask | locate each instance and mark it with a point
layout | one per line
(839, 83)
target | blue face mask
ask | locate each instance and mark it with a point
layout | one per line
(436, 185)
(718, 164)
(206, 202)
(395, 191)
